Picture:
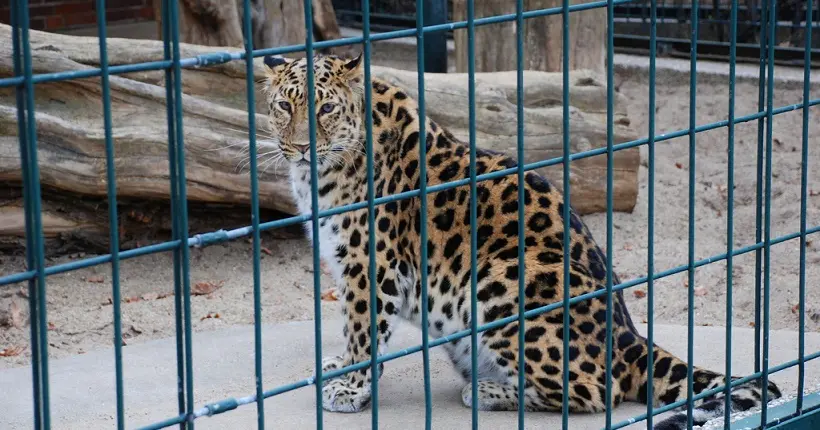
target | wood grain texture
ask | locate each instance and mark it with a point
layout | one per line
(495, 44)
(71, 146)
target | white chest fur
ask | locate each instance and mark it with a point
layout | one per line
(329, 237)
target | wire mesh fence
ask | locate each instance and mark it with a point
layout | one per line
(190, 408)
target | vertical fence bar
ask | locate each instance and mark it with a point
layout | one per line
(435, 50)
(772, 29)
(804, 164)
(730, 213)
(663, 17)
(16, 19)
(567, 232)
(425, 342)
(473, 213)
(33, 183)
(519, 68)
(314, 209)
(610, 123)
(650, 231)
(250, 88)
(371, 227)
(175, 227)
(761, 98)
(693, 89)
(113, 221)
(182, 212)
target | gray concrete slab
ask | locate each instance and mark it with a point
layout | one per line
(82, 387)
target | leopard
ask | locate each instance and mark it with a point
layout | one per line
(340, 167)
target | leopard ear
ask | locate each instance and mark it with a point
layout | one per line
(353, 69)
(274, 65)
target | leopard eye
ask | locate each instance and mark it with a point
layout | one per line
(284, 105)
(327, 108)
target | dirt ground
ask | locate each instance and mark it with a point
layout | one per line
(80, 313)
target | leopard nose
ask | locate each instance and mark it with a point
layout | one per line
(302, 148)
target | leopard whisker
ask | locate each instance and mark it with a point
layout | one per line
(247, 132)
(219, 148)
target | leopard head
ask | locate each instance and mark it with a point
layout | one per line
(339, 96)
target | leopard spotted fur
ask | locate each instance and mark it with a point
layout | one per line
(341, 157)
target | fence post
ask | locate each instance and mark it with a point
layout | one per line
(435, 44)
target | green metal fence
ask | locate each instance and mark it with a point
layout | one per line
(633, 25)
(190, 409)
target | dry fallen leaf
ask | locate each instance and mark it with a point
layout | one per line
(11, 351)
(679, 165)
(795, 308)
(686, 283)
(700, 291)
(22, 293)
(751, 323)
(628, 247)
(266, 250)
(324, 268)
(132, 299)
(96, 279)
(210, 315)
(330, 295)
(204, 288)
(16, 315)
(51, 326)
(639, 293)
(813, 193)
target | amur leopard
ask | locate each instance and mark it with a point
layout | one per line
(341, 159)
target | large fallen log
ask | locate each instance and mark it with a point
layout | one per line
(72, 152)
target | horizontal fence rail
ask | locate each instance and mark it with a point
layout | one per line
(723, 19)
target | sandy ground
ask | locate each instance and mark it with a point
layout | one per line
(80, 314)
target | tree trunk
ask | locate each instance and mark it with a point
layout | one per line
(495, 44)
(71, 147)
(275, 23)
(206, 22)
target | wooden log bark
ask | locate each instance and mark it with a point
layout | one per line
(326, 27)
(75, 223)
(72, 152)
(274, 23)
(495, 44)
(219, 22)
(206, 22)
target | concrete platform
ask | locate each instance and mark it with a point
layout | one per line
(82, 387)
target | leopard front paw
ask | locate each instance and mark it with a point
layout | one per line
(334, 362)
(345, 394)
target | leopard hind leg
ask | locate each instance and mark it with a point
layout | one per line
(584, 397)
